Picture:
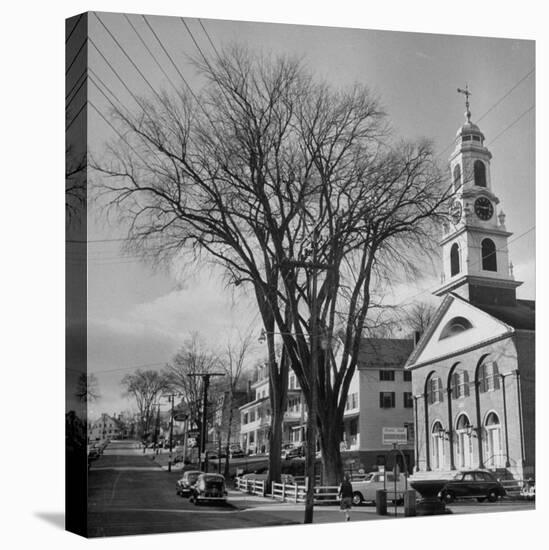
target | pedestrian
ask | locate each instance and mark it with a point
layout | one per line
(346, 496)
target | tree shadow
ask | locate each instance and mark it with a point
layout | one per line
(57, 519)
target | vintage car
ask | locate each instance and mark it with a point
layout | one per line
(209, 488)
(236, 451)
(293, 450)
(365, 491)
(183, 486)
(477, 484)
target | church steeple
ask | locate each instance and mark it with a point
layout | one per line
(474, 246)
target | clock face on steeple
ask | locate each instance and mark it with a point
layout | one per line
(484, 208)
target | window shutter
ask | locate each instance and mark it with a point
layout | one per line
(465, 383)
(456, 391)
(440, 392)
(495, 374)
(381, 400)
(482, 377)
(393, 399)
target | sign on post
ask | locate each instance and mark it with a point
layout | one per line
(394, 436)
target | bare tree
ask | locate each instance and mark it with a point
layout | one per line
(269, 169)
(419, 316)
(146, 387)
(88, 388)
(192, 359)
(233, 362)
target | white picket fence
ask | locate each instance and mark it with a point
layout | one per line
(252, 486)
(290, 492)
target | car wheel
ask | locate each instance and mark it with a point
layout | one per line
(357, 499)
(492, 495)
(448, 497)
(481, 499)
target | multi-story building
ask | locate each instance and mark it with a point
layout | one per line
(380, 396)
(473, 370)
(255, 416)
(105, 427)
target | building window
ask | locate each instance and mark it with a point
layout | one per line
(408, 400)
(387, 375)
(387, 399)
(457, 177)
(460, 384)
(407, 376)
(352, 401)
(245, 418)
(480, 173)
(489, 377)
(434, 390)
(455, 326)
(489, 260)
(454, 259)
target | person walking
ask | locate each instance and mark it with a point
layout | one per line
(346, 496)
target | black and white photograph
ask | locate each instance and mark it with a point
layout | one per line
(309, 266)
(289, 297)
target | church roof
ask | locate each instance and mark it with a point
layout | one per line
(384, 352)
(521, 317)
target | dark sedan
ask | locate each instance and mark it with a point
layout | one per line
(184, 485)
(209, 488)
(473, 484)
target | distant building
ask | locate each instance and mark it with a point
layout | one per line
(380, 396)
(255, 415)
(226, 413)
(106, 427)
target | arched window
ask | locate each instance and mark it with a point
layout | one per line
(480, 173)
(437, 439)
(460, 384)
(455, 326)
(457, 177)
(454, 259)
(463, 442)
(434, 390)
(493, 442)
(488, 376)
(489, 259)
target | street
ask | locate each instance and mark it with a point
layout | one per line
(129, 493)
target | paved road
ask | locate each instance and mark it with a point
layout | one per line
(129, 493)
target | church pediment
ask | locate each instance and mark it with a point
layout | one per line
(456, 326)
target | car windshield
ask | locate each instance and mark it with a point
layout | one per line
(192, 477)
(458, 476)
(369, 477)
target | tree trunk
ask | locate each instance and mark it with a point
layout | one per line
(330, 432)
(275, 446)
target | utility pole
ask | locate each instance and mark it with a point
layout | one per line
(203, 432)
(171, 398)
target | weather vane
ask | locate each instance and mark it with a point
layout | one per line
(466, 93)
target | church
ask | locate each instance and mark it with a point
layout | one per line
(473, 369)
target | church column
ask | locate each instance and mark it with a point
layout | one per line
(521, 428)
(450, 429)
(427, 441)
(416, 434)
(479, 427)
(505, 427)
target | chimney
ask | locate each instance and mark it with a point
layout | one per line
(417, 336)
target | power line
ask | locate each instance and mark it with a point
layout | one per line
(209, 39)
(74, 28)
(75, 116)
(151, 53)
(128, 57)
(506, 94)
(76, 56)
(493, 106)
(75, 93)
(75, 84)
(512, 124)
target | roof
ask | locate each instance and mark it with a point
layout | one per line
(521, 317)
(384, 352)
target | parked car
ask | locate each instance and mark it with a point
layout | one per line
(183, 486)
(93, 454)
(236, 451)
(477, 484)
(296, 450)
(209, 488)
(365, 491)
(214, 455)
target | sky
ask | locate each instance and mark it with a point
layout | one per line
(140, 316)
